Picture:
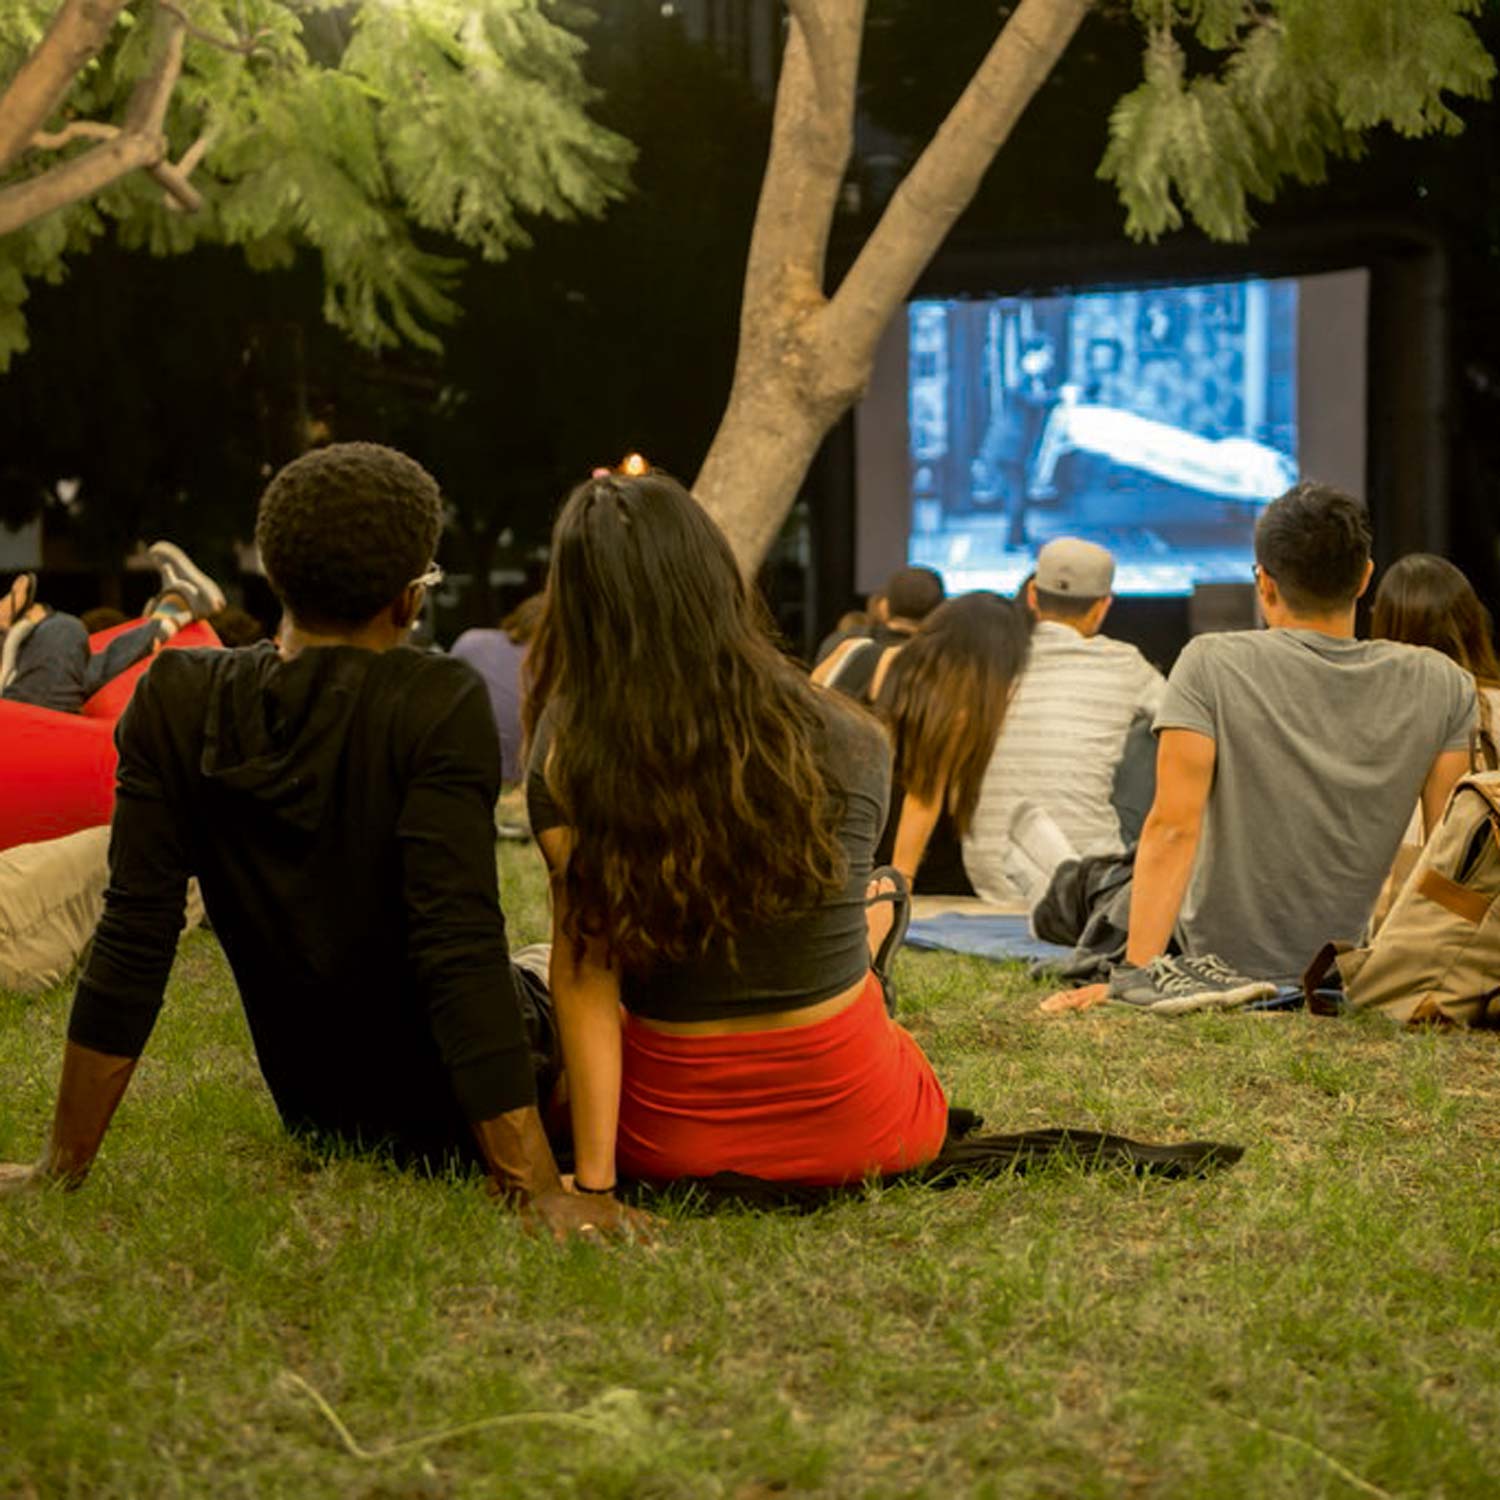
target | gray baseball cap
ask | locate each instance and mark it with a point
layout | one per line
(1072, 566)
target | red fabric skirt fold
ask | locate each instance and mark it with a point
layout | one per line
(837, 1101)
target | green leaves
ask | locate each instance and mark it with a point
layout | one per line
(1300, 82)
(348, 130)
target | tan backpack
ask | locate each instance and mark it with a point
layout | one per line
(1436, 957)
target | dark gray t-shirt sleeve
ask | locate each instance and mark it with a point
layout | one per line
(1190, 701)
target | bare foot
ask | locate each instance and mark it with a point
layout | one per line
(1085, 998)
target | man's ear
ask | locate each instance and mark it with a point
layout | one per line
(1031, 596)
(1265, 588)
(1369, 574)
(406, 606)
(1100, 610)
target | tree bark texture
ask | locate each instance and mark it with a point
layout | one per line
(77, 33)
(805, 359)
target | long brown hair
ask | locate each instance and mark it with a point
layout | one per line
(684, 747)
(1425, 601)
(946, 695)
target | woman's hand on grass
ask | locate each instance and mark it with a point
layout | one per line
(567, 1215)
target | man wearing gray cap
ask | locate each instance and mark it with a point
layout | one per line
(1049, 792)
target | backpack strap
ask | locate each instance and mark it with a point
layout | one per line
(1327, 959)
(1484, 751)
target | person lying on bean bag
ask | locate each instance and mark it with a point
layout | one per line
(45, 657)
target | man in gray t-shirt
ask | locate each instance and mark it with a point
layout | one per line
(1321, 747)
(1288, 763)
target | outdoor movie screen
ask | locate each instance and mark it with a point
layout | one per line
(1156, 421)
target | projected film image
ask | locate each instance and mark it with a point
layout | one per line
(1156, 421)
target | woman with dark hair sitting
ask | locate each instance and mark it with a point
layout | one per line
(709, 819)
(944, 699)
(1424, 600)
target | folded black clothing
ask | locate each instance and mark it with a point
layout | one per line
(967, 1155)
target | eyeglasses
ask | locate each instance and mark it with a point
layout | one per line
(430, 579)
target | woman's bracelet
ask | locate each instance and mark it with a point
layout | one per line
(603, 1192)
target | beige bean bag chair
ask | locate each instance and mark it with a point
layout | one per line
(51, 897)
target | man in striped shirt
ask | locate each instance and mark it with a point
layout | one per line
(1066, 733)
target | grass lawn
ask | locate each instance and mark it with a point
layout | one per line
(1324, 1319)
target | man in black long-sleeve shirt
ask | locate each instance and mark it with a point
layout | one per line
(335, 798)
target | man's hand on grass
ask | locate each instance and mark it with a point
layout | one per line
(1080, 999)
(568, 1215)
(19, 1177)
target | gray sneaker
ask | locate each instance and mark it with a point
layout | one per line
(1174, 986)
(182, 576)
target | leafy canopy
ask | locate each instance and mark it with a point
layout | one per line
(340, 128)
(1282, 86)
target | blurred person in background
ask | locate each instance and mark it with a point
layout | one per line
(857, 666)
(944, 701)
(498, 656)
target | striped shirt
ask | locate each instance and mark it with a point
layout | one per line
(1060, 746)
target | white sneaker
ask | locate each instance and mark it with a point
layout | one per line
(181, 575)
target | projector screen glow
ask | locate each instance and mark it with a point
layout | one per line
(1156, 421)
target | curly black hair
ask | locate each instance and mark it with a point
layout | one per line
(343, 529)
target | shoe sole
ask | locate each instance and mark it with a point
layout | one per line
(181, 564)
(1177, 1005)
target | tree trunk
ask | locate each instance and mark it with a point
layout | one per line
(804, 360)
(77, 33)
(768, 438)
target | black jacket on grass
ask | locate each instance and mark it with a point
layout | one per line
(338, 812)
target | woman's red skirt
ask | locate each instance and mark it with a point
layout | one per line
(837, 1101)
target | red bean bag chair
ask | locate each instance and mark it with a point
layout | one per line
(57, 771)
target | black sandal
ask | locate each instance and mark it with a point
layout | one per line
(885, 957)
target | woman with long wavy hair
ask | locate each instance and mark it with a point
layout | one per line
(944, 700)
(709, 820)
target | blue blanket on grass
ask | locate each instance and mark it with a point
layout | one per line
(984, 937)
(1007, 938)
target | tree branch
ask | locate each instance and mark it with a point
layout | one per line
(811, 139)
(78, 177)
(77, 33)
(810, 21)
(243, 46)
(141, 143)
(181, 195)
(197, 151)
(943, 180)
(146, 111)
(55, 140)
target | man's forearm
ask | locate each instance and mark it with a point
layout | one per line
(93, 1083)
(1162, 867)
(518, 1155)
